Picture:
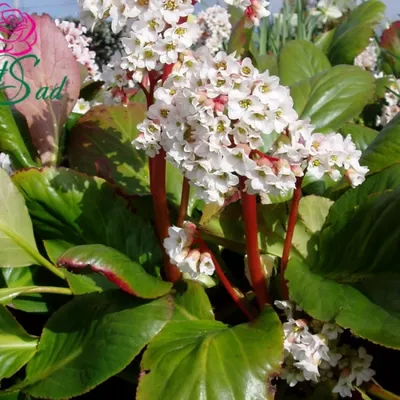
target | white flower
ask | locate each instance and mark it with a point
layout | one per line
(326, 11)
(344, 387)
(368, 58)
(5, 163)
(206, 264)
(331, 330)
(81, 106)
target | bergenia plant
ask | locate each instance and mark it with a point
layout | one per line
(213, 214)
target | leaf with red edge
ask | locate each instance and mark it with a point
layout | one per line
(240, 38)
(117, 268)
(49, 64)
(390, 41)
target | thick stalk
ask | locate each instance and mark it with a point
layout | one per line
(249, 208)
(294, 210)
(184, 202)
(157, 167)
(379, 392)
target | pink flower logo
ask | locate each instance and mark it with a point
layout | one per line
(17, 31)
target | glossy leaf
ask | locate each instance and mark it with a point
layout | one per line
(385, 149)
(324, 40)
(361, 135)
(211, 361)
(117, 268)
(77, 354)
(191, 302)
(17, 243)
(267, 62)
(52, 74)
(352, 35)
(78, 209)
(16, 346)
(100, 144)
(309, 61)
(11, 140)
(88, 283)
(362, 278)
(333, 97)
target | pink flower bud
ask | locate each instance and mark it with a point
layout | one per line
(245, 147)
(218, 107)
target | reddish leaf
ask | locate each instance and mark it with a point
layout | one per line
(54, 65)
(390, 41)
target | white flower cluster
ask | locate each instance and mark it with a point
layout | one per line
(215, 28)
(79, 43)
(190, 261)
(157, 30)
(5, 163)
(210, 117)
(312, 353)
(254, 10)
(392, 106)
(324, 153)
(368, 58)
(119, 82)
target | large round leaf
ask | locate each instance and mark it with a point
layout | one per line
(116, 267)
(17, 243)
(333, 97)
(362, 277)
(191, 302)
(385, 149)
(352, 36)
(362, 136)
(299, 60)
(100, 143)
(16, 346)
(209, 360)
(90, 339)
(78, 209)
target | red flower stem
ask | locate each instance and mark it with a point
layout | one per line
(184, 202)
(379, 392)
(236, 295)
(294, 210)
(149, 96)
(249, 208)
(157, 167)
(263, 155)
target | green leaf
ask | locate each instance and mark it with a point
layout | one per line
(211, 361)
(16, 346)
(324, 40)
(313, 211)
(14, 396)
(352, 35)
(100, 143)
(267, 62)
(17, 243)
(88, 283)
(329, 300)
(362, 277)
(78, 209)
(9, 294)
(299, 60)
(11, 140)
(191, 302)
(362, 136)
(76, 354)
(333, 97)
(116, 267)
(385, 149)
